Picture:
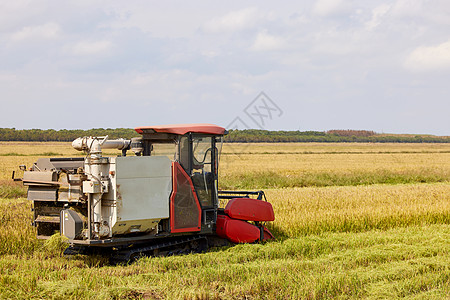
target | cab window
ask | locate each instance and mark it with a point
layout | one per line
(202, 176)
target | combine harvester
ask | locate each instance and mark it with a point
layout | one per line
(162, 201)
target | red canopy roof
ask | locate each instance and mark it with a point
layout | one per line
(183, 129)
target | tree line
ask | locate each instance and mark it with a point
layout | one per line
(332, 136)
(240, 136)
(63, 135)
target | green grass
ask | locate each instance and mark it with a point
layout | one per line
(408, 262)
(12, 154)
(402, 262)
(272, 179)
(338, 152)
(11, 190)
(31, 154)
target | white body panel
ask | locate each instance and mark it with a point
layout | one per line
(141, 190)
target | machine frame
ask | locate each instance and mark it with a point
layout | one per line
(98, 202)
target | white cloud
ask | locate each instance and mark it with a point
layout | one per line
(408, 8)
(157, 19)
(436, 11)
(429, 58)
(330, 7)
(91, 48)
(45, 31)
(377, 15)
(267, 42)
(234, 21)
(210, 53)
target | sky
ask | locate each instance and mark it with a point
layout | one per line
(276, 65)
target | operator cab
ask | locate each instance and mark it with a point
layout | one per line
(194, 150)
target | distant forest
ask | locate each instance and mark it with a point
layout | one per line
(234, 136)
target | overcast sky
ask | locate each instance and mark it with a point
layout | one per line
(326, 64)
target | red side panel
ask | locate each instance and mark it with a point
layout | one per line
(185, 210)
(236, 231)
(250, 209)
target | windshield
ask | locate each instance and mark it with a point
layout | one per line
(202, 153)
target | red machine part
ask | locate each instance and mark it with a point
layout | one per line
(250, 210)
(237, 231)
(234, 226)
(182, 129)
(185, 210)
(267, 234)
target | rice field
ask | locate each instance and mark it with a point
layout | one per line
(352, 221)
(319, 164)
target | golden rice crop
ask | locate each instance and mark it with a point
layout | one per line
(27, 148)
(335, 163)
(331, 164)
(17, 236)
(301, 211)
(284, 159)
(8, 164)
